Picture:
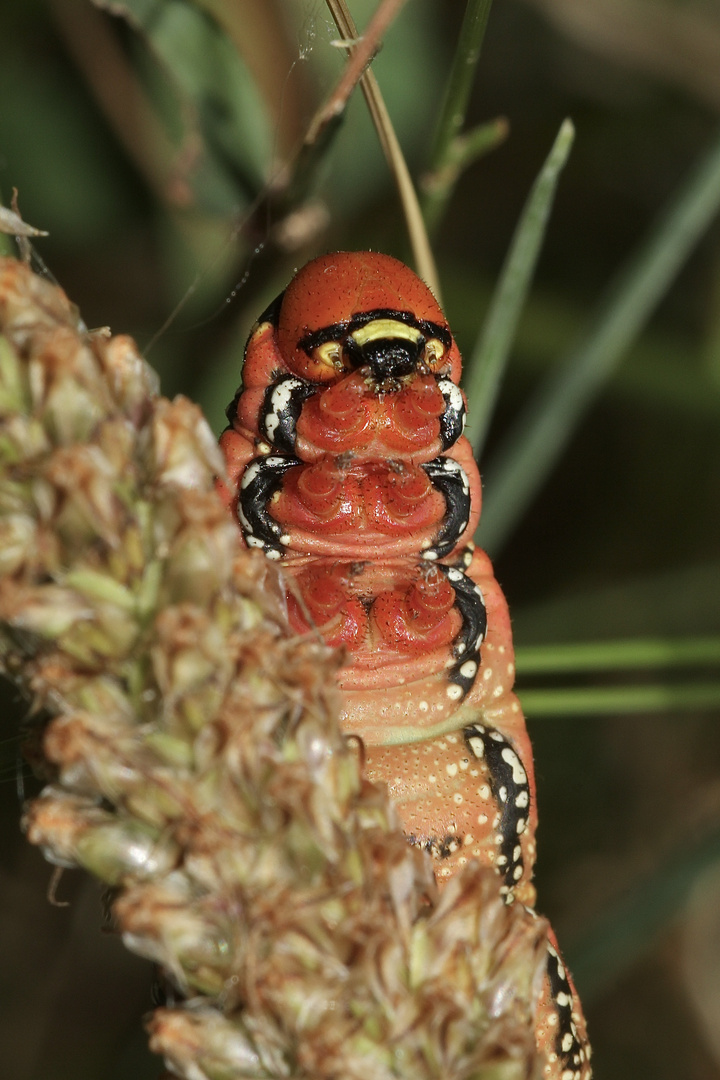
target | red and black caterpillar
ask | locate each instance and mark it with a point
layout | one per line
(346, 459)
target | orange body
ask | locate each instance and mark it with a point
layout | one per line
(346, 460)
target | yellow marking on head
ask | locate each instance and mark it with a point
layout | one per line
(385, 328)
(330, 353)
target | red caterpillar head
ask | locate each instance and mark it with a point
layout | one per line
(363, 310)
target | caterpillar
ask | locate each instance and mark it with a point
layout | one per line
(346, 460)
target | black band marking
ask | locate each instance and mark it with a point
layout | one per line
(466, 648)
(452, 421)
(260, 480)
(448, 476)
(511, 791)
(281, 410)
(568, 1047)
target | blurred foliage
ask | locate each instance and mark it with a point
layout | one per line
(145, 146)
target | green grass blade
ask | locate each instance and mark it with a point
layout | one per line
(438, 187)
(460, 80)
(543, 429)
(616, 655)
(611, 700)
(628, 927)
(485, 368)
(451, 152)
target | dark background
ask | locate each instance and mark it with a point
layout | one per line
(126, 150)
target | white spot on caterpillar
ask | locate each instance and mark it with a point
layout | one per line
(454, 692)
(517, 873)
(452, 394)
(482, 819)
(279, 401)
(250, 474)
(567, 1042)
(457, 798)
(423, 706)
(487, 674)
(451, 770)
(522, 822)
(518, 772)
(468, 669)
(484, 791)
(477, 746)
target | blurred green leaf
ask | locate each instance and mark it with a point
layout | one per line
(219, 92)
(629, 926)
(484, 371)
(616, 655)
(681, 601)
(545, 426)
(619, 700)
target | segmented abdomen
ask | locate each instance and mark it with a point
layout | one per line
(346, 461)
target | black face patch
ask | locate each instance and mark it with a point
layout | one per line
(388, 359)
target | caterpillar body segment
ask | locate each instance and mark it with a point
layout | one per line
(346, 460)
